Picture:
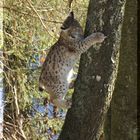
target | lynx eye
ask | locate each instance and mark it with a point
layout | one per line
(73, 36)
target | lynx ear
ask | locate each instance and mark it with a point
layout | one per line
(71, 14)
(68, 21)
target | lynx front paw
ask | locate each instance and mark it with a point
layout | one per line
(99, 37)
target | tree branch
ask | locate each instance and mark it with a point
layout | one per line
(29, 2)
(27, 14)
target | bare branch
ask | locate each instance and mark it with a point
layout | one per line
(29, 2)
(27, 14)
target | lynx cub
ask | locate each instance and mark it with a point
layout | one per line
(62, 56)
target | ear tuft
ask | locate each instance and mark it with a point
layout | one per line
(68, 21)
(71, 14)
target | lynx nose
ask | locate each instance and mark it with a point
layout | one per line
(40, 89)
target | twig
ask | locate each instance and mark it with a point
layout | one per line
(5, 66)
(38, 17)
(16, 102)
(70, 4)
(16, 37)
(27, 14)
(18, 113)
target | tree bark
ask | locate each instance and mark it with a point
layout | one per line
(123, 120)
(97, 73)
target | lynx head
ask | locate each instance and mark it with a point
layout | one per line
(71, 29)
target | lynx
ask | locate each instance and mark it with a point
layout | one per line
(58, 65)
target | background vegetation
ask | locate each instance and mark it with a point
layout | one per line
(30, 28)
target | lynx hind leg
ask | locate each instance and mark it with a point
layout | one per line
(62, 103)
(60, 93)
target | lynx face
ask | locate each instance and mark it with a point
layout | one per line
(71, 30)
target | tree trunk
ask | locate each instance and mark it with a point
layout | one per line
(97, 73)
(123, 120)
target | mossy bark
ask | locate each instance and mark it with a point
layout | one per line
(123, 111)
(97, 73)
